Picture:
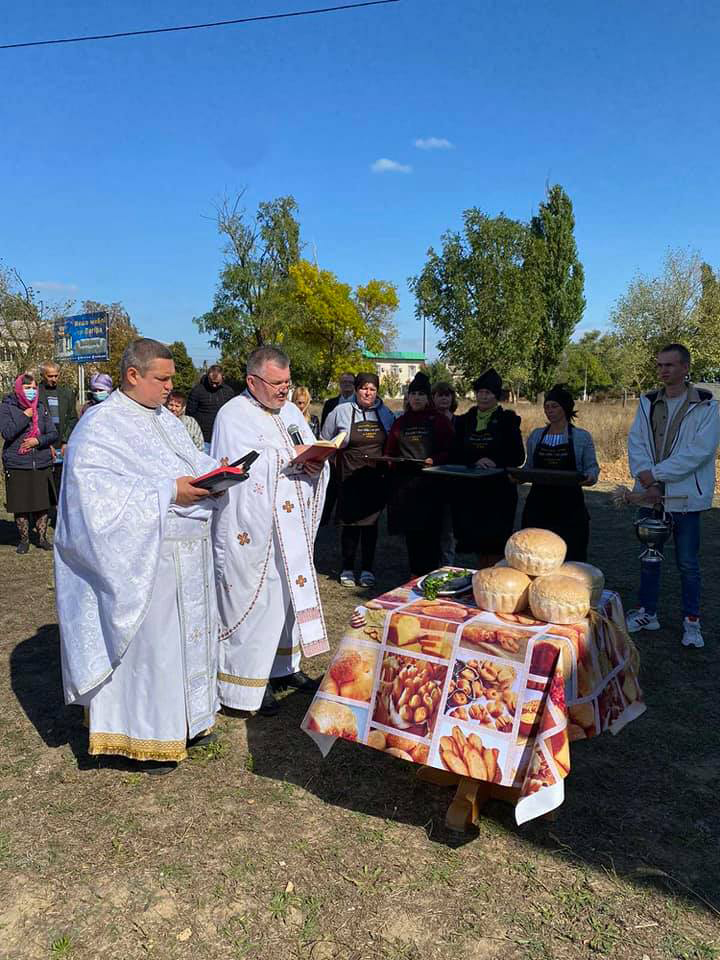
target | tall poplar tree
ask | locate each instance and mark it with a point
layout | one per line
(557, 275)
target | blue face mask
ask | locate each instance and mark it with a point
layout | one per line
(100, 395)
(30, 393)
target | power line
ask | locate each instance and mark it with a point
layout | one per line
(199, 26)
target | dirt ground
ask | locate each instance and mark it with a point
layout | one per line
(257, 847)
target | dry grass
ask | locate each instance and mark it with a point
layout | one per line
(259, 849)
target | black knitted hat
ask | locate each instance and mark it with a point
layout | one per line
(490, 380)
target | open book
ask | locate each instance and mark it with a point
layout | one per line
(320, 451)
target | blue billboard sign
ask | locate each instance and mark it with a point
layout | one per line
(82, 338)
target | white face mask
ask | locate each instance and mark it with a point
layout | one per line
(100, 395)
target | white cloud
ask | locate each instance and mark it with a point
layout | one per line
(433, 143)
(383, 165)
(54, 287)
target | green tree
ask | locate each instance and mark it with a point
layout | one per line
(476, 292)
(186, 376)
(390, 386)
(556, 274)
(438, 371)
(259, 251)
(679, 306)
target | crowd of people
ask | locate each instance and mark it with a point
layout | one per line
(173, 601)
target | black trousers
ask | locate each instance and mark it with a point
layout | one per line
(423, 547)
(350, 537)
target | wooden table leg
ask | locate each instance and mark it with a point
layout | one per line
(439, 778)
(464, 810)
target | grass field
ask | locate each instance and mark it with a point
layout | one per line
(259, 848)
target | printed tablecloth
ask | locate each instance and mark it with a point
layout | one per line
(495, 697)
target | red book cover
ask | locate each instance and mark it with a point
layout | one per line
(221, 479)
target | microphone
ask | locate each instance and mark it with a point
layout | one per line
(295, 435)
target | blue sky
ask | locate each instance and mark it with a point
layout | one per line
(113, 153)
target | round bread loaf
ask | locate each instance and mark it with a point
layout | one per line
(501, 589)
(558, 599)
(535, 552)
(586, 573)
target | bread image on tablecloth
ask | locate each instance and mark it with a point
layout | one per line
(332, 719)
(351, 673)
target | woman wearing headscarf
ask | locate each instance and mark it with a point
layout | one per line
(487, 436)
(101, 386)
(28, 431)
(423, 434)
(362, 479)
(561, 446)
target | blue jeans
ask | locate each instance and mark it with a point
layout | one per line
(686, 534)
(207, 446)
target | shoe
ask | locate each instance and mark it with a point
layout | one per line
(639, 620)
(44, 545)
(367, 578)
(298, 681)
(691, 633)
(269, 706)
(347, 579)
(156, 768)
(202, 740)
(23, 547)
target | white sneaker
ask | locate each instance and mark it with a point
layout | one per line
(691, 633)
(347, 578)
(639, 620)
(367, 578)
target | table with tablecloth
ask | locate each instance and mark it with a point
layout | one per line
(488, 697)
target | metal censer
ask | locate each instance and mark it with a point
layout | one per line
(654, 532)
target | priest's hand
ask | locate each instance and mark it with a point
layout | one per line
(187, 495)
(485, 463)
(312, 468)
(646, 478)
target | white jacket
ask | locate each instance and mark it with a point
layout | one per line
(688, 472)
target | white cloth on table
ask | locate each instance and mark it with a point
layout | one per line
(263, 537)
(135, 583)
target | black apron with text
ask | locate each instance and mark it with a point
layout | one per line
(559, 508)
(362, 492)
(484, 512)
(413, 495)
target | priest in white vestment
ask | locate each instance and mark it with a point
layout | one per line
(264, 536)
(134, 571)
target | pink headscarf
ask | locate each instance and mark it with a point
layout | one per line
(25, 404)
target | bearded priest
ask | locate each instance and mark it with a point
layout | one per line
(264, 536)
(134, 572)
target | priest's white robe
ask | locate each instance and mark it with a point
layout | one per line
(134, 583)
(263, 538)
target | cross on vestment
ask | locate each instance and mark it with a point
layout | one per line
(288, 506)
(301, 581)
(243, 538)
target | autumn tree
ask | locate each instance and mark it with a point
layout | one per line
(328, 326)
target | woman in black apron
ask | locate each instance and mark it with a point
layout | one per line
(561, 446)
(362, 478)
(420, 434)
(486, 437)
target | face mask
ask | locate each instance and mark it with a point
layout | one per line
(30, 393)
(100, 395)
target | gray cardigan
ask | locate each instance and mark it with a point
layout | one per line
(582, 441)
